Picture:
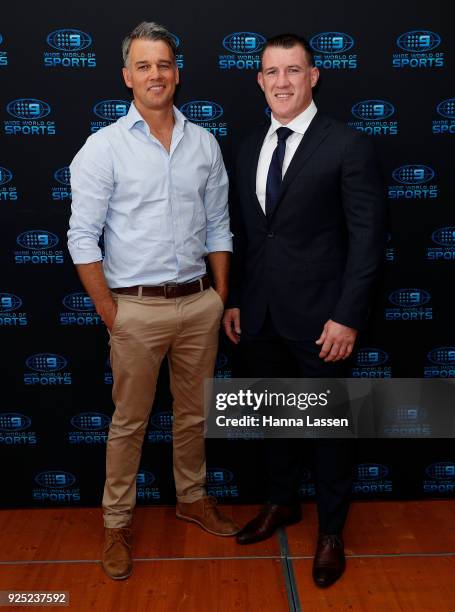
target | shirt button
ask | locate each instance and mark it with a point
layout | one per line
(271, 235)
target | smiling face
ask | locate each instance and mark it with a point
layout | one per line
(152, 74)
(287, 80)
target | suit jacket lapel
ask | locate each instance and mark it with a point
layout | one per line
(317, 131)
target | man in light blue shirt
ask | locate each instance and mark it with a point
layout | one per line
(156, 185)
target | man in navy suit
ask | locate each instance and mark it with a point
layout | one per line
(308, 221)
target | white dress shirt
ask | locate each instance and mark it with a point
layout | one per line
(299, 126)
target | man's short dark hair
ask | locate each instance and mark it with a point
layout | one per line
(287, 41)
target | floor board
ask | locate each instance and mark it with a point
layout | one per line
(77, 533)
(386, 584)
(384, 527)
(160, 586)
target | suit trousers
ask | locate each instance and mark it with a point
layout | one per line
(145, 330)
(269, 355)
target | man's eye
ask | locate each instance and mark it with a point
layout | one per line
(143, 67)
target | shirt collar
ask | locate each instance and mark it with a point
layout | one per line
(133, 118)
(298, 124)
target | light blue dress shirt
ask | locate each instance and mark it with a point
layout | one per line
(161, 212)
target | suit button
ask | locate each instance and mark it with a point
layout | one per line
(271, 235)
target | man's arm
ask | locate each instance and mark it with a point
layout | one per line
(364, 209)
(92, 186)
(231, 319)
(219, 237)
(219, 264)
(94, 281)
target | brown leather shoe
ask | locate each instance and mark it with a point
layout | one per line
(205, 513)
(329, 561)
(116, 560)
(267, 522)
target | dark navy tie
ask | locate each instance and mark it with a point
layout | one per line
(274, 177)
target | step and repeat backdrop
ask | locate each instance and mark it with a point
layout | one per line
(384, 71)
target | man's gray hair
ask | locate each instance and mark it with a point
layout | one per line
(148, 30)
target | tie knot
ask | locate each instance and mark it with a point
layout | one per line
(283, 133)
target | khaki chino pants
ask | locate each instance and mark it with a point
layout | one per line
(145, 330)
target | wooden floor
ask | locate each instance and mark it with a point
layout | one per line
(401, 557)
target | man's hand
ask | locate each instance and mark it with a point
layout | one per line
(337, 341)
(231, 324)
(107, 311)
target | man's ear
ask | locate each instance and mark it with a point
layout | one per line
(127, 77)
(314, 76)
(261, 80)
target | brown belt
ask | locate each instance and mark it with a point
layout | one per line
(170, 290)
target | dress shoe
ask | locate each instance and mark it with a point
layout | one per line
(329, 561)
(269, 519)
(205, 513)
(117, 562)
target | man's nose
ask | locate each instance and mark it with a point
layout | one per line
(282, 79)
(153, 72)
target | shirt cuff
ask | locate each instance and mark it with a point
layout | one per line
(219, 244)
(85, 256)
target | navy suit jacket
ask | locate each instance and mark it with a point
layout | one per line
(317, 255)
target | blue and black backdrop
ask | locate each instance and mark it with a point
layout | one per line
(384, 70)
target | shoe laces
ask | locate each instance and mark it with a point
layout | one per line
(333, 540)
(119, 535)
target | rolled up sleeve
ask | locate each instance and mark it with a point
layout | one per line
(92, 185)
(219, 236)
